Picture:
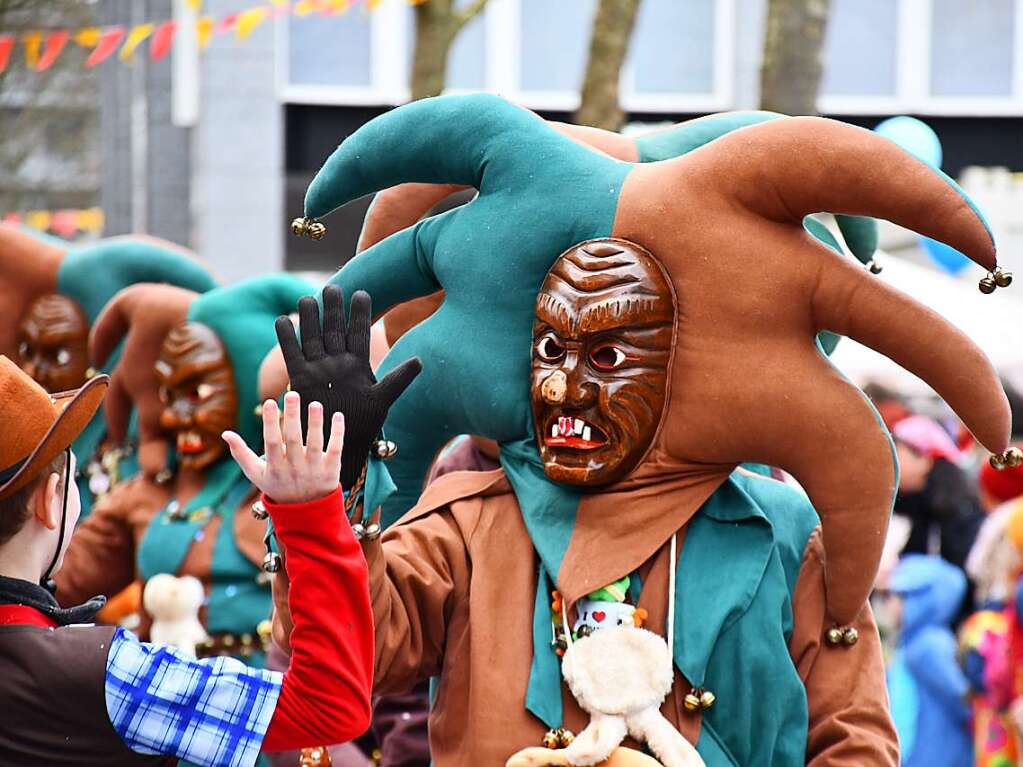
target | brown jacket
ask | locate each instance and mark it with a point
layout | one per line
(102, 556)
(453, 583)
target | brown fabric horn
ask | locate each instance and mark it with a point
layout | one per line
(28, 269)
(753, 288)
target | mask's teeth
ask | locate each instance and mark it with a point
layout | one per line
(578, 426)
(554, 430)
(565, 426)
(587, 433)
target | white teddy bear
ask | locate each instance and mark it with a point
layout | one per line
(174, 604)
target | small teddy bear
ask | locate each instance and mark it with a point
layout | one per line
(174, 604)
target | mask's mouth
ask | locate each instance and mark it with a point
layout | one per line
(573, 432)
(190, 442)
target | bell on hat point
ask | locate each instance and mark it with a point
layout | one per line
(874, 267)
(565, 737)
(987, 285)
(551, 739)
(1002, 278)
(1010, 459)
(850, 636)
(271, 562)
(308, 227)
(707, 699)
(834, 635)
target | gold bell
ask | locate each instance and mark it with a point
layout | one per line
(1010, 459)
(264, 629)
(259, 510)
(551, 739)
(565, 737)
(1002, 278)
(308, 227)
(707, 699)
(834, 635)
(850, 636)
(987, 285)
(271, 562)
(691, 701)
(874, 267)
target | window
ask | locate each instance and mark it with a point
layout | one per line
(673, 47)
(859, 48)
(329, 50)
(972, 48)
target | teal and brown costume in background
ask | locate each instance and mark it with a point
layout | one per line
(61, 300)
(745, 382)
(197, 523)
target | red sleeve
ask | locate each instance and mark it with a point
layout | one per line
(325, 697)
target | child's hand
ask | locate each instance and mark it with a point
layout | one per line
(292, 472)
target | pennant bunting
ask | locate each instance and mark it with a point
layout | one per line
(136, 37)
(162, 40)
(108, 42)
(249, 20)
(88, 37)
(55, 42)
(38, 219)
(194, 5)
(33, 42)
(6, 46)
(65, 223)
(304, 7)
(204, 31)
(90, 220)
(227, 24)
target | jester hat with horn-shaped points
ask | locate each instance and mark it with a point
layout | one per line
(747, 381)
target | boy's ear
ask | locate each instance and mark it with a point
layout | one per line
(46, 502)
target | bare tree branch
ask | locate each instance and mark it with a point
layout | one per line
(609, 44)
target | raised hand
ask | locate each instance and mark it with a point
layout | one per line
(293, 471)
(331, 365)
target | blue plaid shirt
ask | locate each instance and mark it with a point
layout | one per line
(212, 712)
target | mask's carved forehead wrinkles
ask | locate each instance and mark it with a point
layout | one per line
(598, 284)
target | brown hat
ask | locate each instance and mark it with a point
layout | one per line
(39, 426)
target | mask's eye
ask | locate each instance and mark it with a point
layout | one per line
(607, 357)
(549, 349)
(63, 356)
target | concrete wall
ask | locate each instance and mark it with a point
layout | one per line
(238, 155)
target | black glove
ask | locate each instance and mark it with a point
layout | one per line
(332, 367)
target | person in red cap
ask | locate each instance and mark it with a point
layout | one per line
(80, 694)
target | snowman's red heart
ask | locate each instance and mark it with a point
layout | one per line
(599, 616)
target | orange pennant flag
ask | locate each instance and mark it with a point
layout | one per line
(38, 219)
(105, 46)
(204, 31)
(88, 37)
(135, 38)
(6, 46)
(33, 41)
(249, 20)
(162, 40)
(55, 42)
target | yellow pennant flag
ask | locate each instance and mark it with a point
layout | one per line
(88, 37)
(195, 5)
(38, 219)
(32, 40)
(337, 7)
(249, 20)
(90, 220)
(372, 4)
(304, 7)
(135, 38)
(204, 31)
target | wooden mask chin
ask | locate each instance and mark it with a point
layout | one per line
(602, 341)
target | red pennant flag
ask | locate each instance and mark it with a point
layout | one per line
(65, 223)
(227, 23)
(6, 46)
(107, 44)
(52, 48)
(12, 218)
(162, 40)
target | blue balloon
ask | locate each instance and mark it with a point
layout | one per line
(949, 259)
(915, 136)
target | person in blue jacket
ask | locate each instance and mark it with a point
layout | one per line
(927, 687)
